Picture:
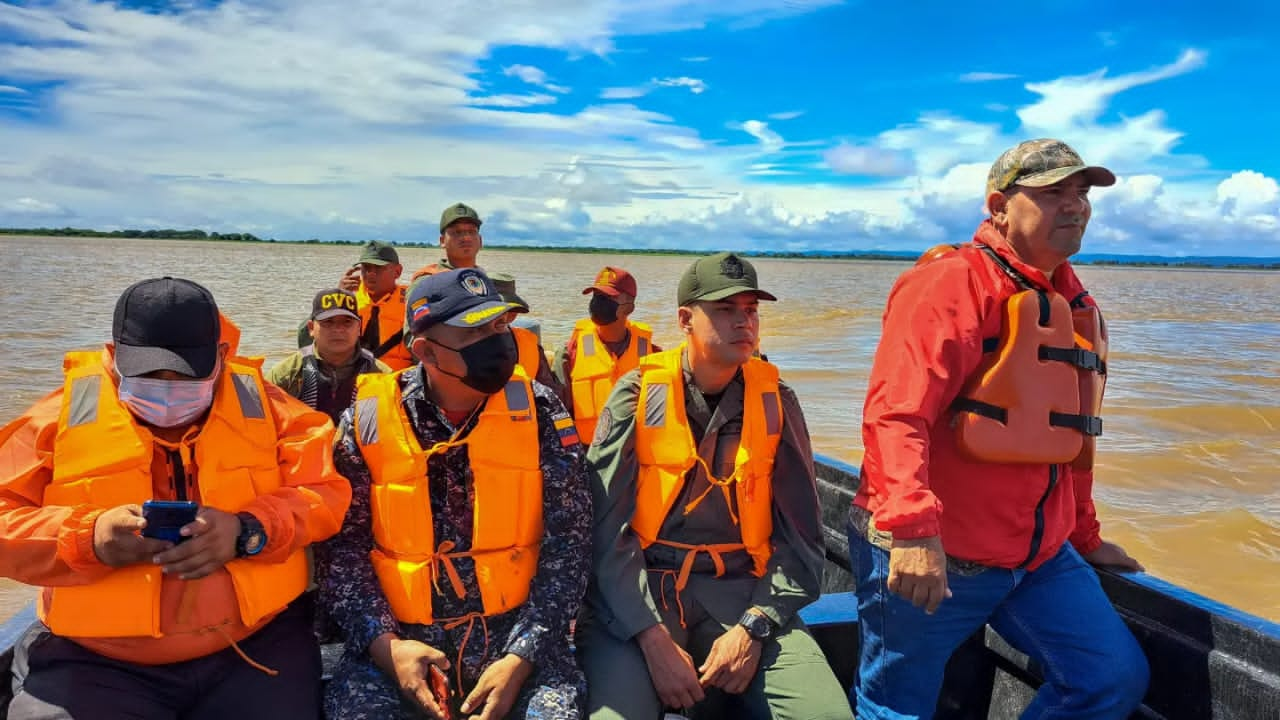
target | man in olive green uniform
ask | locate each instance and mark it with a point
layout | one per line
(702, 609)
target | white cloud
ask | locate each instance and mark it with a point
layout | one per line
(695, 85)
(515, 101)
(11, 90)
(977, 77)
(788, 115)
(533, 76)
(28, 206)
(623, 93)
(696, 59)
(1248, 193)
(770, 141)
(861, 160)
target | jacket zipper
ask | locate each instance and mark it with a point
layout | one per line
(1037, 535)
(179, 479)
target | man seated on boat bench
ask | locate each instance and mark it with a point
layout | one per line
(379, 302)
(466, 547)
(708, 535)
(976, 501)
(602, 347)
(460, 240)
(133, 626)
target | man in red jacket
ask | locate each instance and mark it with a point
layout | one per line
(947, 532)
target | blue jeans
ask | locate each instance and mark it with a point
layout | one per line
(1057, 614)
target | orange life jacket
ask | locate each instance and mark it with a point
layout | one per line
(505, 464)
(529, 357)
(1037, 395)
(666, 453)
(391, 326)
(595, 370)
(102, 459)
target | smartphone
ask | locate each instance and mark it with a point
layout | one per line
(439, 683)
(166, 517)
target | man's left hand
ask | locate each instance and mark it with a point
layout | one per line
(732, 662)
(213, 543)
(1114, 556)
(499, 685)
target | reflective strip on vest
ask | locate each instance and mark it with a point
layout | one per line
(247, 394)
(518, 400)
(84, 400)
(772, 418)
(367, 420)
(588, 345)
(642, 346)
(655, 408)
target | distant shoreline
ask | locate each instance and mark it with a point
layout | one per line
(1212, 263)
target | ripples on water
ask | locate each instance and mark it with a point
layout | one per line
(1186, 476)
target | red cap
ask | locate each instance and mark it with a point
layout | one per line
(613, 281)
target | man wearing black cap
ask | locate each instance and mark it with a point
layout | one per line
(459, 238)
(976, 499)
(216, 625)
(466, 544)
(323, 374)
(708, 536)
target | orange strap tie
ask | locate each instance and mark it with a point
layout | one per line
(714, 482)
(186, 605)
(442, 557)
(470, 620)
(686, 567)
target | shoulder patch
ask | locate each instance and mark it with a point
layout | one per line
(603, 425)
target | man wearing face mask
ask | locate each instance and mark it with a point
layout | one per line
(217, 625)
(602, 348)
(466, 544)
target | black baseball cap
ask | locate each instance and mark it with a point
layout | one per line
(166, 324)
(464, 298)
(334, 302)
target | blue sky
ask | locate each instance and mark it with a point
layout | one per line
(754, 124)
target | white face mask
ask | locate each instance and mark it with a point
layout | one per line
(168, 403)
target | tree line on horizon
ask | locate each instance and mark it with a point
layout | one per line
(196, 234)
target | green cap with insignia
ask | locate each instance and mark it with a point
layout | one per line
(506, 285)
(454, 213)
(377, 252)
(1040, 163)
(717, 277)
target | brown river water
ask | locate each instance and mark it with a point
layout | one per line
(1186, 477)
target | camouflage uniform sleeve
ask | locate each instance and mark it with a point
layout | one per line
(560, 581)
(793, 578)
(348, 587)
(287, 374)
(620, 587)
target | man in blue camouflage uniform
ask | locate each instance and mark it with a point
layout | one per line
(514, 664)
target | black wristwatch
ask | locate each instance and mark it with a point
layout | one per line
(252, 538)
(757, 625)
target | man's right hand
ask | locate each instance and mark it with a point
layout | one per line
(670, 668)
(406, 662)
(918, 572)
(116, 538)
(350, 279)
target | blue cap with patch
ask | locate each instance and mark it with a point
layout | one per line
(464, 298)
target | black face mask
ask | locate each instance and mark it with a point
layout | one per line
(489, 362)
(603, 309)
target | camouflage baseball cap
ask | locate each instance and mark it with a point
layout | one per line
(1043, 162)
(717, 277)
(377, 252)
(454, 213)
(506, 285)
